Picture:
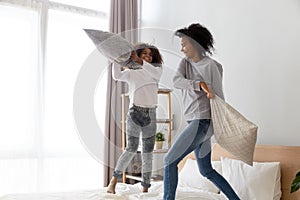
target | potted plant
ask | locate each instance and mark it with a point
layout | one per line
(159, 140)
(296, 183)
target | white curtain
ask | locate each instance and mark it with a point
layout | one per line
(42, 50)
(123, 20)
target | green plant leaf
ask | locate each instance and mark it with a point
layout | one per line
(159, 136)
(296, 183)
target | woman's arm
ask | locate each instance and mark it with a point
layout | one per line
(217, 79)
(209, 93)
(181, 82)
(213, 80)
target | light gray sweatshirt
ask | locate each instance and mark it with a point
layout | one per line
(189, 74)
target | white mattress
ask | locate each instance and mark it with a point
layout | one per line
(123, 192)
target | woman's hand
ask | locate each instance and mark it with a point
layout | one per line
(135, 58)
(208, 92)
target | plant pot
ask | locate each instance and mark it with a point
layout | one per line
(159, 144)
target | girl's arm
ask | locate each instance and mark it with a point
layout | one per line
(119, 75)
(135, 58)
(154, 72)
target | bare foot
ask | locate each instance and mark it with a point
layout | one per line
(112, 185)
(145, 190)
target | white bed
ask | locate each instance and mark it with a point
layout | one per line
(191, 188)
(123, 192)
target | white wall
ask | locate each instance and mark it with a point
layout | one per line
(258, 43)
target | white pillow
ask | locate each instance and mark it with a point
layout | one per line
(190, 176)
(277, 189)
(259, 182)
(113, 46)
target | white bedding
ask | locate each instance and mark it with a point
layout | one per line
(123, 191)
(190, 187)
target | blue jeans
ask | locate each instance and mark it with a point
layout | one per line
(132, 143)
(195, 137)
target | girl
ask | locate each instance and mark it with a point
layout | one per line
(141, 117)
(199, 77)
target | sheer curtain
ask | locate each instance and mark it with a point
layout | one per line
(123, 20)
(18, 80)
(42, 50)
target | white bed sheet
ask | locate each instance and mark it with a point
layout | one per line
(123, 192)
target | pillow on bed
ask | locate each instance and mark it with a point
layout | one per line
(189, 176)
(113, 46)
(259, 182)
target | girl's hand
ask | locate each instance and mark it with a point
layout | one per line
(135, 58)
(209, 93)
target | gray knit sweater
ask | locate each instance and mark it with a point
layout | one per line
(189, 74)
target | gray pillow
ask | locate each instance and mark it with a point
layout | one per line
(233, 131)
(113, 46)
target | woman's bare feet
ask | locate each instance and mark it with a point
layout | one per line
(111, 188)
(145, 190)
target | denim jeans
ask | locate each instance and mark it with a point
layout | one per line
(132, 142)
(195, 137)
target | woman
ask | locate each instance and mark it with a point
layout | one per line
(141, 118)
(199, 77)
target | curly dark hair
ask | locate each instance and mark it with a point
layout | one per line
(156, 56)
(197, 33)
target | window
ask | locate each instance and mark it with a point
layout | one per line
(89, 4)
(40, 150)
(18, 78)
